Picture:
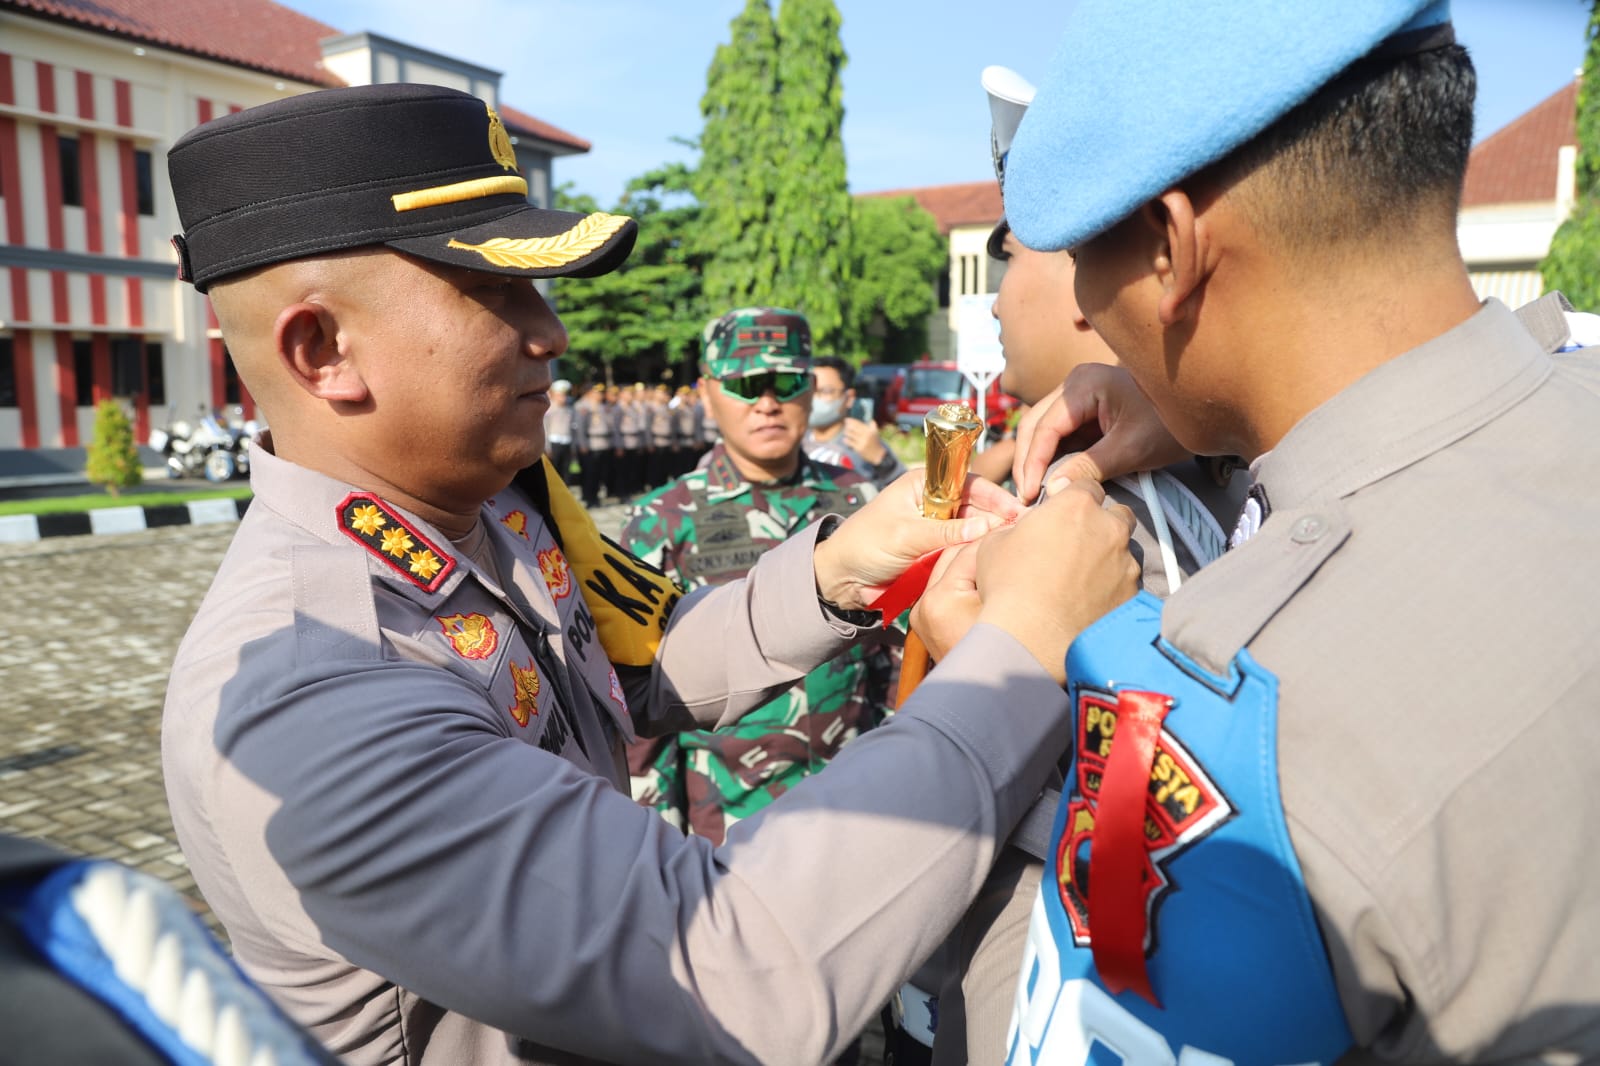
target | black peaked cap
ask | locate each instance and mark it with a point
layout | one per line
(423, 169)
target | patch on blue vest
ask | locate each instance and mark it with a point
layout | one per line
(1233, 952)
(131, 942)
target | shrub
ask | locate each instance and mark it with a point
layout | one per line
(113, 457)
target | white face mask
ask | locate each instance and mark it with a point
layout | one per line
(826, 412)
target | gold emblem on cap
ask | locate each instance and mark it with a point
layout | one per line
(558, 250)
(500, 141)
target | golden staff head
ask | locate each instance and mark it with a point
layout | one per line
(952, 431)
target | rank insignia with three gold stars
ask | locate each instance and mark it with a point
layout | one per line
(377, 527)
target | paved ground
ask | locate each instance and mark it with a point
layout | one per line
(85, 645)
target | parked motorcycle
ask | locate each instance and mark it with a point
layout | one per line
(208, 448)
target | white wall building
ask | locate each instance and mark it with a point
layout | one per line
(91, 97)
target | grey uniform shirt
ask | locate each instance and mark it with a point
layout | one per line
(558, 423)
(837, 453)
(1426, 591)
(592, 428)
(419, 836)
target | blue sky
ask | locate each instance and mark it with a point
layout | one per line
(627, 75)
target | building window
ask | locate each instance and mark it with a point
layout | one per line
(145, 180)
(8, 374)
(127, 369)
(155, 373)
(230, 379)
(944, 288)
(71, 187)
(83, 371)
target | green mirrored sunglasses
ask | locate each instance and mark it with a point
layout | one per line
(785, 385)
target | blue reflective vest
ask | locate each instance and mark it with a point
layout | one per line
(1230, 946)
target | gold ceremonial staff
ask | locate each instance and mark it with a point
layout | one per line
(952, 431)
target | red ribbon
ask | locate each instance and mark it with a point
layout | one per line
(1118, 857)
(906, 589)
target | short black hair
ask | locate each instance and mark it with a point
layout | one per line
(846, 372)
(1384, 141)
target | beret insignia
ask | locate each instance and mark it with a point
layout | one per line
(555, 251)
(374, 525)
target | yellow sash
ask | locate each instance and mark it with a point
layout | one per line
(629, 598)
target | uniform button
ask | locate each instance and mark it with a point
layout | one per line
(1309, 529)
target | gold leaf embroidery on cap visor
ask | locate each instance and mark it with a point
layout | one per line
(475, 189)
(558, 250)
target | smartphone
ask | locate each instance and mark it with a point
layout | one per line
(862, 409)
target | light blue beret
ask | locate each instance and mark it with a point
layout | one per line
(1141, 95)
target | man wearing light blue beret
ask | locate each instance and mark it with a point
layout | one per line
(1331, 799)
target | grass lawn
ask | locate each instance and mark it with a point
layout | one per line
(144, 496)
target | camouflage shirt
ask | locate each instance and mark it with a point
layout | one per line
(709, 527)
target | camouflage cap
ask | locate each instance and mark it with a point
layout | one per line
(756, 338)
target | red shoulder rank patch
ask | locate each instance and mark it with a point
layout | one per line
(376, 526)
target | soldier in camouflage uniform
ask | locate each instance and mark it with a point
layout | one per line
(710, 526)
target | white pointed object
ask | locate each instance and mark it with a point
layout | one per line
(197, 1012)
(231, 1046)
(165, 985)
(132, 947)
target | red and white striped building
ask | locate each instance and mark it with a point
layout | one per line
(92, 93)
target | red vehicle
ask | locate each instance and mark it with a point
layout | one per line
(923, 386)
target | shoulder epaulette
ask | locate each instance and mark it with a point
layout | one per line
(377, 527)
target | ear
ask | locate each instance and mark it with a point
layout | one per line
(1184, 263)
(307, 338)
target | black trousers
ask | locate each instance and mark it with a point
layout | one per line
(560, 453)
(595, 467)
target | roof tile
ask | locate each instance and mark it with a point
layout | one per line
(1518, 162)
(973, 203)
(257, 34)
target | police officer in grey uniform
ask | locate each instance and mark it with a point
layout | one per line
(393, 738)
(594, 437)
(1338, 783)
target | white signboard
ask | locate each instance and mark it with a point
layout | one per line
(978, 336)
(978, 353)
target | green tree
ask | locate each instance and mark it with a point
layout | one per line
(113, 459)
(897, 254)
(1573, 263)
(645, 317)
(740, 144)
(811, 204)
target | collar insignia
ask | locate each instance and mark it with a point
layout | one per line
(525, 684)
(722, 475)
(500, 141)
(472, 635)
(517, 522)
(378, 528)
(557, 575)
